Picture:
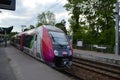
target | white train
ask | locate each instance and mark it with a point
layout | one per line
(46, 43)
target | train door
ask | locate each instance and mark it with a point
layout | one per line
(21, 42)
(38, 45)
(35, 46)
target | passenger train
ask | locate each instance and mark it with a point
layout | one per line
(46, 43)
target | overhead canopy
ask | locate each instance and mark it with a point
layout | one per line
(7, 30)
(8, 4)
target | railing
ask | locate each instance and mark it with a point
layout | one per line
(98, 48)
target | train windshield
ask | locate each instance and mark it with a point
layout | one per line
(58, 38)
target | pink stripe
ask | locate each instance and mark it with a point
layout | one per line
(47, 47)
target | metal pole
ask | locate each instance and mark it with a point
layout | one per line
(117, 29)
(5, 39)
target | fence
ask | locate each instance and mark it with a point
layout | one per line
(98, 48)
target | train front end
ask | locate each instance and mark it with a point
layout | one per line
(62, 49)
(56, 48)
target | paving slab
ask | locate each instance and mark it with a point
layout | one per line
(27, 68)
(6, 71)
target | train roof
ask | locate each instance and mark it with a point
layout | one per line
(29, 32)
(35, 30)
(52, 28)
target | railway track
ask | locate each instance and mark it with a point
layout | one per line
(109, 70)
(70, 73)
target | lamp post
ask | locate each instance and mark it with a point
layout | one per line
(117, 29)
(5, 39)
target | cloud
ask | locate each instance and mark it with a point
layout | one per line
(27, 10)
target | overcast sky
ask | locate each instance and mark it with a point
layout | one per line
(27, 10)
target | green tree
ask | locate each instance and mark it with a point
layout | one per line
(31, 27)
(100, 16)
(46, 18)
(12, 34)
(75, 11)
(38, 24)
(61, 25)
(26, 29)
(92, 19)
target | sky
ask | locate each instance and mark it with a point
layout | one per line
(27, 11)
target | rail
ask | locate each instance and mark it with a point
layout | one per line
(110, 70)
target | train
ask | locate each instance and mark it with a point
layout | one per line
(47, 43)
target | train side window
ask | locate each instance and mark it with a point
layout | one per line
(36, 38)
(27, 40)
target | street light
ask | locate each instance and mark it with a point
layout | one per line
(5, 38)
(117, 29)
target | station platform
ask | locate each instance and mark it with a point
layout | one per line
(6, 71)
(16, 65)
(98, 56)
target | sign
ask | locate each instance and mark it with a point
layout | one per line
(80, 43)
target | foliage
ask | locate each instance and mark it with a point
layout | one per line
(46, 18)
(12, 34)
(107, 37)
(92, 20)
(38, 24)
(26, 29)
(30, 27)
(61, 25)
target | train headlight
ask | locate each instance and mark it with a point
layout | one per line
(68, 47)
(55, 52)
(70, 53)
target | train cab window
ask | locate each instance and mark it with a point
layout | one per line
(58, 38)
